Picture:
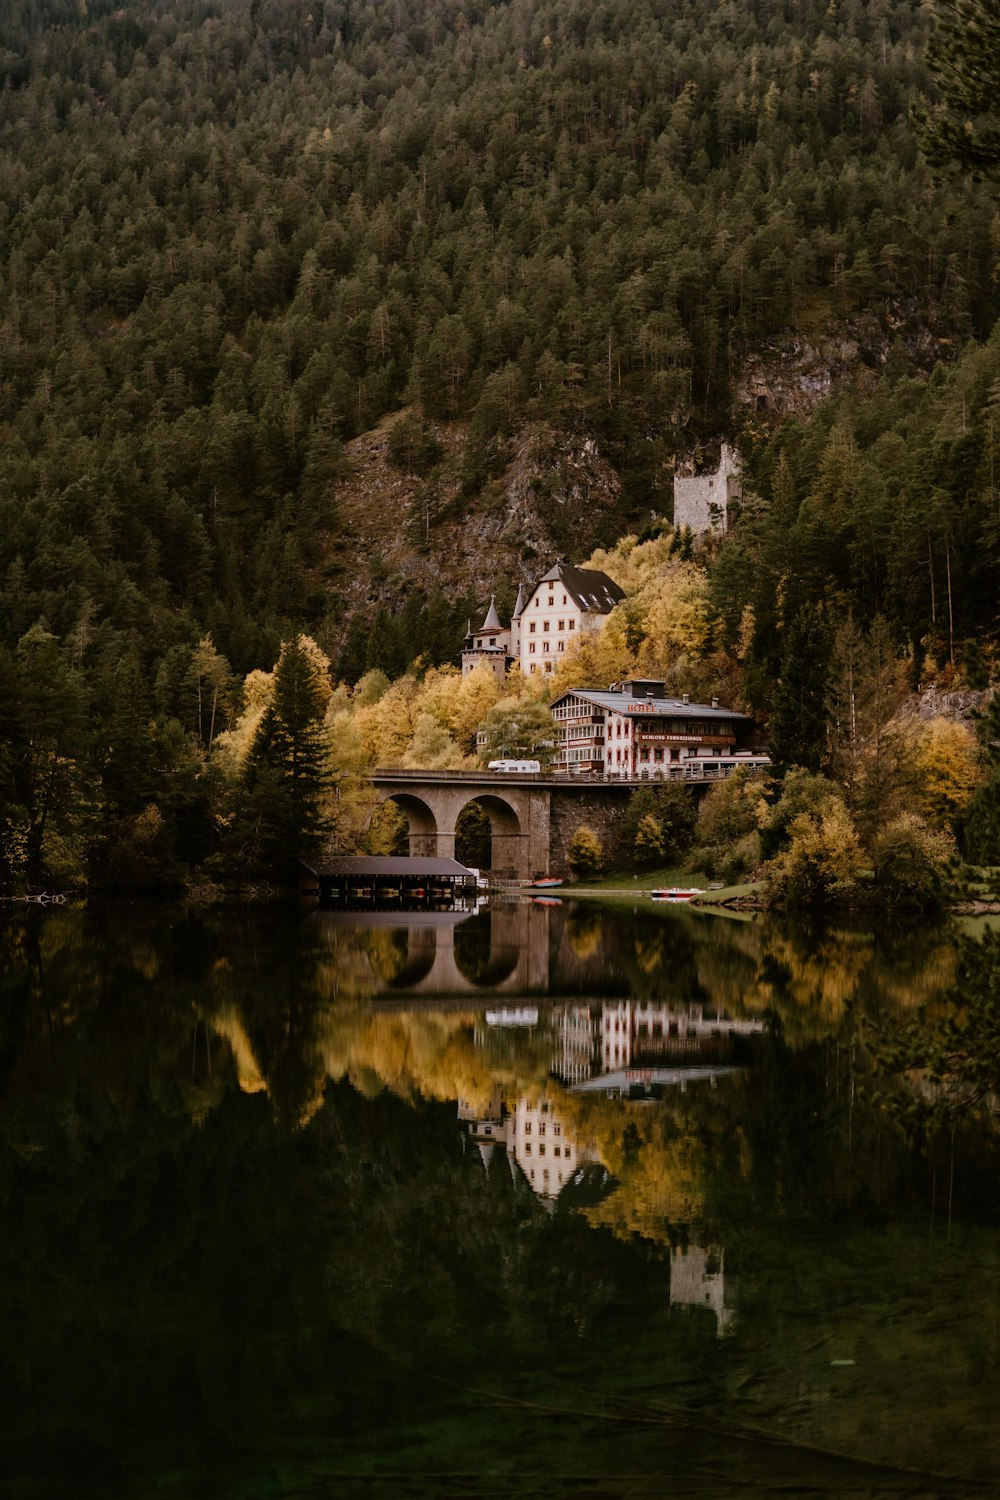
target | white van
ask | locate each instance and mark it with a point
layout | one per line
(521, 767)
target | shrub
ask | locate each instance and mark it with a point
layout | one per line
(821, 862)
(585, 855)
(911, 864)
(658, 825)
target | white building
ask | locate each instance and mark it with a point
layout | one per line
(564, 605)
(634, 732)
(567, 603)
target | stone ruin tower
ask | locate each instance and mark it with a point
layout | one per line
(702, 501)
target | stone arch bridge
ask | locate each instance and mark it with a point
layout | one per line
(532, 817)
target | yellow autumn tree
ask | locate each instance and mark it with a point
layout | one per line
(945, 768)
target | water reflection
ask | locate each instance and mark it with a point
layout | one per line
(320, 1192)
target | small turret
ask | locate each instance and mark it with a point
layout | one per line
(492, 621)
(519, 606)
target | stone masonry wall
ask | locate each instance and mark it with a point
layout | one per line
(603, 811)
(702, 502)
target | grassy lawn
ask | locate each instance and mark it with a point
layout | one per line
(625, 885)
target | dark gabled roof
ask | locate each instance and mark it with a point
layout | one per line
(592, 591)
(383, 865)
(626, 703)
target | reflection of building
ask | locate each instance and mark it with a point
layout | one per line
(486, 1125)
(641, 1035)
(574, 1026)
(616, 1035)
(536, 1138)
(544, 1148)
(697, 1279)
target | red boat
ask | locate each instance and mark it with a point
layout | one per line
(676, 893)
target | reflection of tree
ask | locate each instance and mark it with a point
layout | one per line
(946, 1056)
(816, 979)
(584, 930)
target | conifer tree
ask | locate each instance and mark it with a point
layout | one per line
(799, 724)
(964, 57)
(281, 815)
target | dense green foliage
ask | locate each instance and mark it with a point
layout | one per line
(880, 507)
(233, 237)
(964, 56)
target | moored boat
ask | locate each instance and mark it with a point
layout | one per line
(676, 893)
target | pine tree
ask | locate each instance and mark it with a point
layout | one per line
(964, 56)
(798, 727)
(281, 816)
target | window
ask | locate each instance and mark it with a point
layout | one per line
(527, 1127)
(541, 1128)
(545, 624)
(571, 625)
(541, 1150)
(531, 649)
(527, 1148)
(564, 598)
(562, 646)
(562, 624)
(531, 628)
(545, 646)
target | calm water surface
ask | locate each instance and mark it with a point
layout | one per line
(546, 1201)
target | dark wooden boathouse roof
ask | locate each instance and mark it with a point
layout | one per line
(417, 867)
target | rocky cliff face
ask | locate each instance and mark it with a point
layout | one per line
(555, 496)
(791, 376)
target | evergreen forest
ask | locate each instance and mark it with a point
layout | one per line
(237, 235)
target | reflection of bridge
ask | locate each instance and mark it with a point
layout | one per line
(501, 952)
(532, 818)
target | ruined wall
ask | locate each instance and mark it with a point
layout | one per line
(702, 502)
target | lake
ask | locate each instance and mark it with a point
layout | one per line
(544, 1200)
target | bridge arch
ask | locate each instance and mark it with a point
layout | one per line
(422, 825)
(506, 833)
(484, 956)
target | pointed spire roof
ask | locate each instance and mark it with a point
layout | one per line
(492, 621)
(486, 1152)
(519, 606)
(468, 629)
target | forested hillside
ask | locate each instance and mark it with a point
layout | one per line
(234, 236)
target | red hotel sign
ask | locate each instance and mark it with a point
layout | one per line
(651, 736)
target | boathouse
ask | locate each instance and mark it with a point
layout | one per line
(409, 884)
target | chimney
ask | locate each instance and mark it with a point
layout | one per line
(685, 698)
(715, 702)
